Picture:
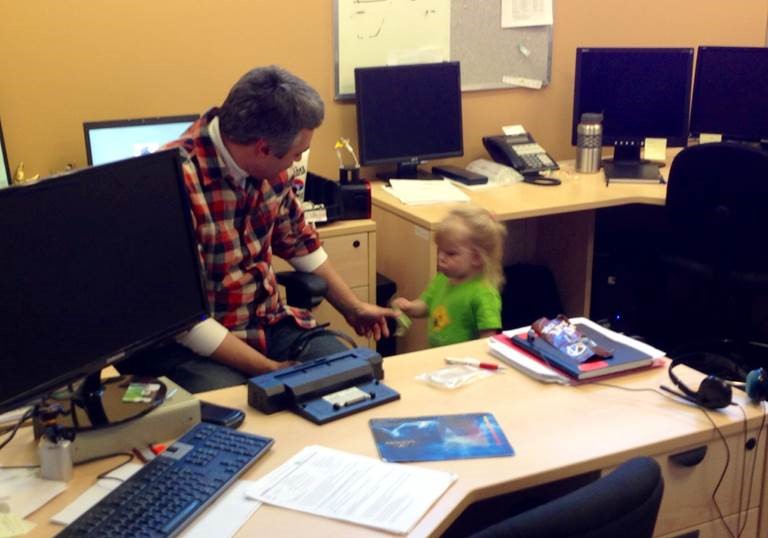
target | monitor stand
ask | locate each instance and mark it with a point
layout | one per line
(626, 165)
(407, 170)
(170, 413)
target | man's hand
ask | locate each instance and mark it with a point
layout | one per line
(370, 320)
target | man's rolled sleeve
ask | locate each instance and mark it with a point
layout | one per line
(204, 338)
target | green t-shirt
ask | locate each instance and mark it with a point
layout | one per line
(458, 312)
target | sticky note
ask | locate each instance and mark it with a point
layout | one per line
(511, 130)
(523, 82)
(706, 138)
(655, 149)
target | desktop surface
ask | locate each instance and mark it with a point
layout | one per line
(556, 432)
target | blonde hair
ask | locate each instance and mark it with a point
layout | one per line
(486, 236)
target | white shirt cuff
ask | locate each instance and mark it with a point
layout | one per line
(310, 262)
(204, 337)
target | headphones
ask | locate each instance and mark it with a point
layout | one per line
(715, 392)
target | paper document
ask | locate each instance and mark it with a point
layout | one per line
(520, 13)
(24, 491)
(226, 515)
(353, 488)
(425, 191)
(95, 493)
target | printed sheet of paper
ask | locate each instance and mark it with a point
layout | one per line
(521, 13)
(353, 488)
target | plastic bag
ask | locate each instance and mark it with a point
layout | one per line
(453, 377)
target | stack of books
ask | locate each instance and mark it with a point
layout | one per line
(539, 359)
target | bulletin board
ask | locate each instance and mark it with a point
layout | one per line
(390, 32)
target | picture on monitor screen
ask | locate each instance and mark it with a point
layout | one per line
(109, 141)
(97, 264)
(729, 93)
(641, 93)
(407, 114)
(5, 171)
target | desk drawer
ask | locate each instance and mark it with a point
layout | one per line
(691, 475)
(715, 529)
(349, 255)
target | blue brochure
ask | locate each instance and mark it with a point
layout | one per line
(440, 437)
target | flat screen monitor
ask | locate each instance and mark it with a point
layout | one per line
(95, 265)
(641, 93)
(5, 170)
(109, 141)
(730, 93)
(407, 114)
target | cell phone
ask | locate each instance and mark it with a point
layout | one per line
(223, 416)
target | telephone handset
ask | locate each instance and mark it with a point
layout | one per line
(521, 152)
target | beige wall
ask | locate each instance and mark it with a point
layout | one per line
(63, 62)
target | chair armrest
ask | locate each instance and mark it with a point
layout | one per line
(302, 290)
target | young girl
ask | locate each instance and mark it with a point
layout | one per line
(462, 300)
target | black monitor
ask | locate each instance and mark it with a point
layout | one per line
(641, 93)
(407, 114)
(730, 93)
(5, 171)
(109, 141)
(95, 265)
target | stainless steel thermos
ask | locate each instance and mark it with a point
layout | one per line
(589, 142)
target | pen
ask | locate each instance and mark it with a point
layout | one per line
(473, 362)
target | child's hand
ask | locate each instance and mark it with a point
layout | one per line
(401, 303)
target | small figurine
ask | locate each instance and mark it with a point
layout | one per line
(343, 143)
(20, 177)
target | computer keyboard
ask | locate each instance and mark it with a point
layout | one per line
(169, 491)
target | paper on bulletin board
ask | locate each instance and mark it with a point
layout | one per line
(382, 33)
(521, 13)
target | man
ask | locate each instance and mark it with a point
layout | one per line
(244, 212)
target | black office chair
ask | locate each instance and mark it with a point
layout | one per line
(623, 503)
(302, 290)
(715, 263)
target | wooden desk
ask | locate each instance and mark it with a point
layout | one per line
(551, 226)
(556, 432)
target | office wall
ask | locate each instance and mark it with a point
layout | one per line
(65, 62)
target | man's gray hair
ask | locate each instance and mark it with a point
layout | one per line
(270, 103)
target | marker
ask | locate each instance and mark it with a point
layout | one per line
(474, 362)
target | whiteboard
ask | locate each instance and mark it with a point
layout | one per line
(392, 32)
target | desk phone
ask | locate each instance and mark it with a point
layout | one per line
(521, 152)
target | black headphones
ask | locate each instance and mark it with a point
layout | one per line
(715, 392)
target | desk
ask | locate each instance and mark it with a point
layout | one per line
(551, 226)
(556, 432)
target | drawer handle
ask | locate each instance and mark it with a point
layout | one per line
(356, 243)
(689, 458)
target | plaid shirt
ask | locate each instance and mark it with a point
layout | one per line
(239, 227)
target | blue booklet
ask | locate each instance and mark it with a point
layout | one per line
(439, 437)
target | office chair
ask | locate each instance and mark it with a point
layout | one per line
(714, 259)
(302, 290)
(623, 503)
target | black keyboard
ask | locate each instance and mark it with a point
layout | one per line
(169, 491)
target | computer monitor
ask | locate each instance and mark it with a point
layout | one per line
(96, 265)
(108, 141)
(729, 93)
(641, 93)
(5, 170)
(407, 114)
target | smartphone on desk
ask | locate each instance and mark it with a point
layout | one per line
(521, 152)
(223, 416)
